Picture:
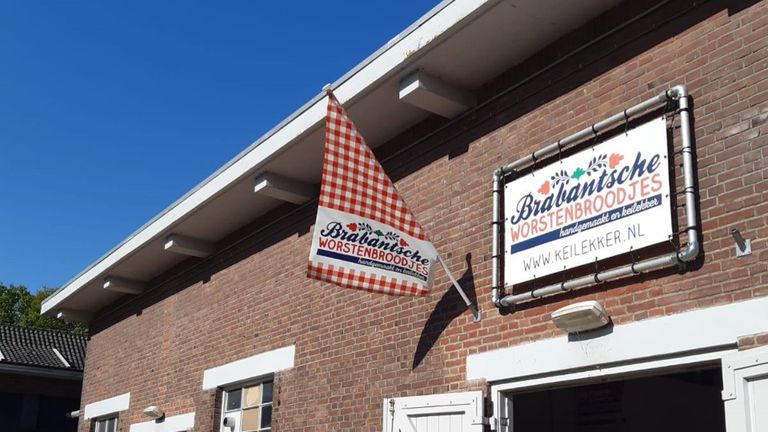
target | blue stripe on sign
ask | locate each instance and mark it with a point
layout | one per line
(371, 263)
(653, 201)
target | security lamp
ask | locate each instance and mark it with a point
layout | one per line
(580, 317)
(228, 422)
(153, 412)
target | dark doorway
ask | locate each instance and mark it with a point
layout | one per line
(687, 401)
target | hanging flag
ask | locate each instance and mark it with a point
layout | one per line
(365, 237)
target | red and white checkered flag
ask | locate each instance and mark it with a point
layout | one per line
(365, 237)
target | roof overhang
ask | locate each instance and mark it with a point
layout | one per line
(42, 372)
(458, 44)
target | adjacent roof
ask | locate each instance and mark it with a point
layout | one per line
(25, 346)
(466, 43)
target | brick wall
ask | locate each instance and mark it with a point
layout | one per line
(353, 349)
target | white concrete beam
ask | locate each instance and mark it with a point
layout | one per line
(188, 246)
(283, 188)
(71, 315)
(123, 285)
(107, 406)
(181, 422)
(434, 95)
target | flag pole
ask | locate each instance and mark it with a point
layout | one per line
(472, 308)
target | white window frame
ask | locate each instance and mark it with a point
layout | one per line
(224, 399)
(253, 369)
(105, 420)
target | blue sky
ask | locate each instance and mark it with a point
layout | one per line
(111, 110)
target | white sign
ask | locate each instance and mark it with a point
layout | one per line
(598, 203)
(372, 253)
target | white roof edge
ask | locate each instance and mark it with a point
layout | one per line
(396, 53)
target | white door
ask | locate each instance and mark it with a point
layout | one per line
(745, 390)
(448, 412)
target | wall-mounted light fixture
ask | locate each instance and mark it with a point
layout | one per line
(580, 317)
(228, 422)
(154, 412)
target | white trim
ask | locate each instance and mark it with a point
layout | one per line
(181, 422)
(61, 358)
(739, 361)
(502, 398)
(715, 328)
(250, 368)
(375, 69)
(2, 357)
(107, 406)
(743, 373)
(637, 368)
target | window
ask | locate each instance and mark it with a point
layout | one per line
(108, 424)
(249, 406)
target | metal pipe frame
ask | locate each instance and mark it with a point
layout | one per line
(684, 254)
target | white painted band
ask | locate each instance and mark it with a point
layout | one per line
(718, 326)
(181, 422)
(249, 368)
(107, 406)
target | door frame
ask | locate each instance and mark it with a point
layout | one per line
(502, 392)
(740, 371)
(652, 346)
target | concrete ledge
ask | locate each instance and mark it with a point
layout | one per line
(698, 330)
(107, 406)
(249, 368)
(181, 422)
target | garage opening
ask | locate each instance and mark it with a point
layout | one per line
(687, 401)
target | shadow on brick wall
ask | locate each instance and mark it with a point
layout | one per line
(450, 306)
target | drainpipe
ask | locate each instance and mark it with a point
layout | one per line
(692, 250)
(498, 227)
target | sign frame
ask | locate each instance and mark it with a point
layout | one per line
(598, 203)
(676, 105)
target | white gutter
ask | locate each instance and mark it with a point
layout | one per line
(390, 59)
